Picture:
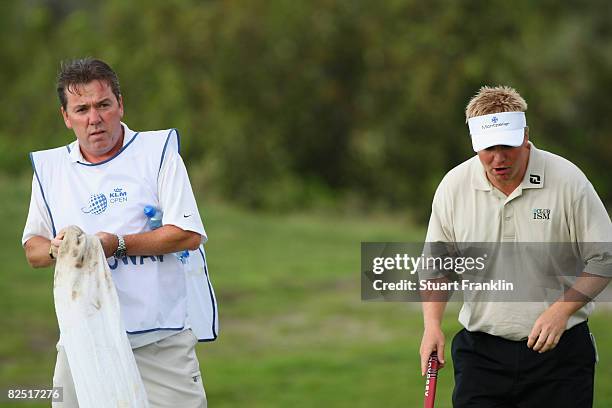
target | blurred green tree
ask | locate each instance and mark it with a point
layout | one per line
(284, 104)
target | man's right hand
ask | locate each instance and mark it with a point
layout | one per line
(433, 340)
(55, 243)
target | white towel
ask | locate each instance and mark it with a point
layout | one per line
(91, 330)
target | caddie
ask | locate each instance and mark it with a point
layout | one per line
(101, 182)
(534, 352)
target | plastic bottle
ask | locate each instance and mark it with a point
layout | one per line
(154, 215)
(155, 221)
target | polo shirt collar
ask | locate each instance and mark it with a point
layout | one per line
(479, 178)
(75, 150)
(534, 175)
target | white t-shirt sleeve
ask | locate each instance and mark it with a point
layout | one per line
(39, 221)
(176, 197)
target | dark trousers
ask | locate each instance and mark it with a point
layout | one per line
(494, 372)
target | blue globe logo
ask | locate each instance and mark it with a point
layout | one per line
(97, 204)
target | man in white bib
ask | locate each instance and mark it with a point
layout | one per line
(530, 351)
(101, 182)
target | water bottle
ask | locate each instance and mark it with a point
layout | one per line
(182, 256)
(154, 215)
(155, 221)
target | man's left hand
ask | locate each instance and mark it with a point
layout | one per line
(548, 329)
(110, 242)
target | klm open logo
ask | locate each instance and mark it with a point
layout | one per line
(98, 203)
(118, 196)
(541, 213)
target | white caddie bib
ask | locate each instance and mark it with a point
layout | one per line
(110, 196)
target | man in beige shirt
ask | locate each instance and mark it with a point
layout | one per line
(530, 352)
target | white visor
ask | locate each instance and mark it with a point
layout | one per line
(505, 128)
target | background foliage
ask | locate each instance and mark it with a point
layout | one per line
(286, 103)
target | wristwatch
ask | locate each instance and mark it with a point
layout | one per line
(121, 248)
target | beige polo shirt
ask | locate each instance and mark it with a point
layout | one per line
(554, 203)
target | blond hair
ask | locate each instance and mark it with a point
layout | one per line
(495, 100)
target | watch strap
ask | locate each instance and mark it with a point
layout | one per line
(121, 248)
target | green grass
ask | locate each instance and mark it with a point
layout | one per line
(294, 331)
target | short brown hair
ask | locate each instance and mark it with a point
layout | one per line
(495, 100)
(82, 71)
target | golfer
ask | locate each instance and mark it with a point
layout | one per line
(518, 354)
(101, 183)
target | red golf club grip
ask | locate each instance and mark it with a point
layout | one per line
(431, 378)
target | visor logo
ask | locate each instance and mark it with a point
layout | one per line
(494, 124)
